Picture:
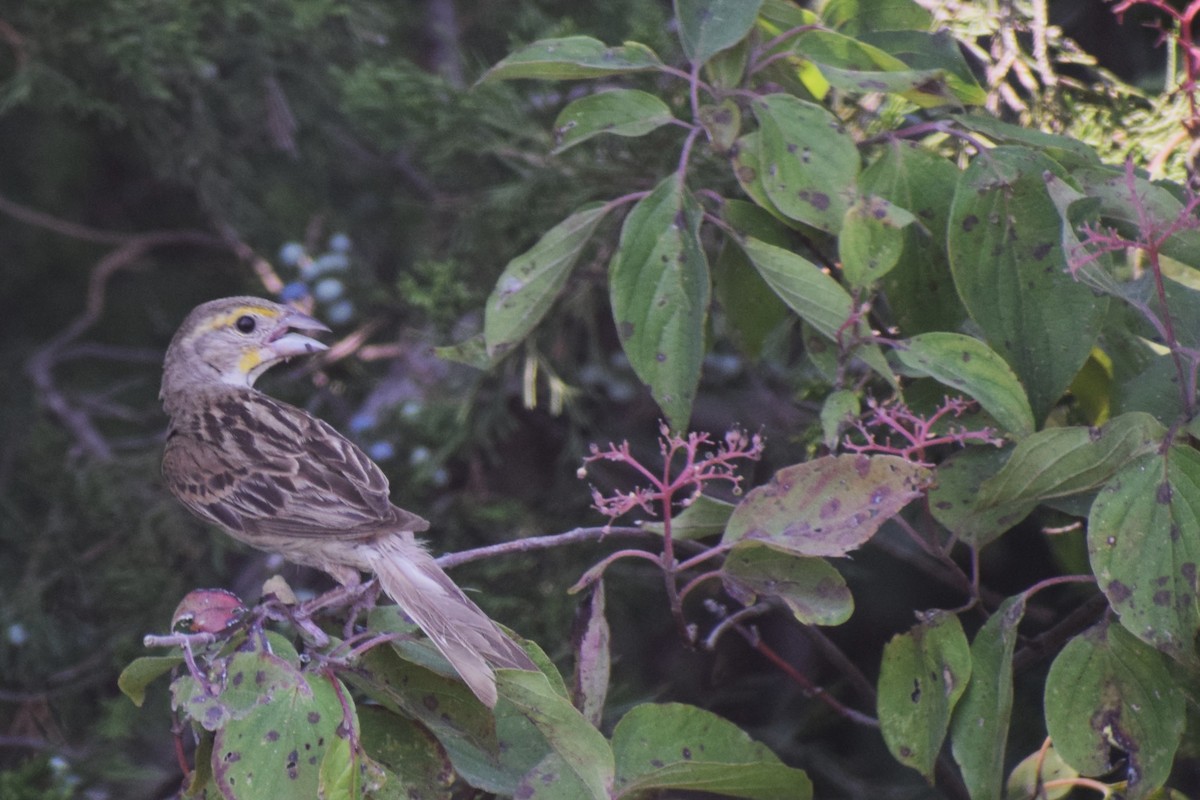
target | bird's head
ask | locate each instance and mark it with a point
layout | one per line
(233, 341)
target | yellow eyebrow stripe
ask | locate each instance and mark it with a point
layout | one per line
(225, 320)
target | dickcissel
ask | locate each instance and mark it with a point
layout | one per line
(281, 480)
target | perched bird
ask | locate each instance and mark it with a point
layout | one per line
(279, 479)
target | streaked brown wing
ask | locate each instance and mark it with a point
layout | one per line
(260, 467)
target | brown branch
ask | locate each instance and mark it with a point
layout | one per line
(535, 543)
(1051, 641)
(73, 230)
(810, 689)
(40, 366)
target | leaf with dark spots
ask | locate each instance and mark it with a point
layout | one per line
(1132, 548)
(923, 674)
(1063, 461)
(955, 498)
(236, 697)
(872, 239)
(919, 288)
(291, 765)
(706, 27)
(787, 512)
(532, 281)
(672, 748)
(580, 763)
(1111, 702)
(970, 366)
(660, 257)
(621, 112)
(1117, 592)
(813, 590)
(571, 58)
(802, 155)
(980, 723)
(1040, 319)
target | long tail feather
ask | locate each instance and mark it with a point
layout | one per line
(466, 636)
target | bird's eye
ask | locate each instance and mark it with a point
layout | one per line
(245, 323)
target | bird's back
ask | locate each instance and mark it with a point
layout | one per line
(266, 470)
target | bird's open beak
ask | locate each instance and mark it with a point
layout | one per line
(285, 344)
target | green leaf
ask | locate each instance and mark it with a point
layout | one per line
(706, 27)
(247, 680)
(1124, 201)
(1058, 462)
(748, 170)
(838, 409)
(859, 16)
(676, 746)
(923, 674)
(871, 240)
(571, 58)
(979, 729)
(1144, 543)
(827, 506)
(849, 55)
(816, 297)
(340, 776)
(531, 281)
(416, 763)
(726, 69)
(932, 52)
(1077, 210)
(1107, 691)
(1005, 245)
(659, 289)
(277, 749)
(143, 671)
(809, 162)
(722, 123)
(855, 67)
(920, 289)
(954, 498)
(553, 779)
(1063, 149)
(704, 516)
(584, 757)
(779, 16)
(927, 88)
(814, 591)
(471, 352)
(751, 308)
(971, 367)
(623, 112)
(446, 707)
(1036, 770)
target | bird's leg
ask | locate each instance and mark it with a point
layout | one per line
(302, 620)
(369, 594)
(350, 593)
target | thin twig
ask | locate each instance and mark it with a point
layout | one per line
(798, 677)
(535, 543)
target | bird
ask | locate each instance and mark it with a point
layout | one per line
(282, 480)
